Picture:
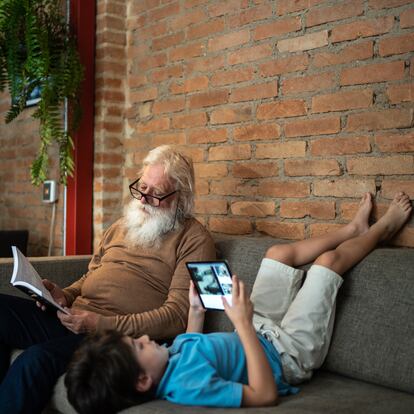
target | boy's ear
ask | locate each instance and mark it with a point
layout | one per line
(144, 382)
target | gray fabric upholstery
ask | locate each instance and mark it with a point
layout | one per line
(369, 367)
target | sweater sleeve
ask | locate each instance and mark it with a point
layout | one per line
(72, 291)
(170, 319)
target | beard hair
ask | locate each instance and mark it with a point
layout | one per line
(146, 225)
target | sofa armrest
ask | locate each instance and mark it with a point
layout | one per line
(62, 270)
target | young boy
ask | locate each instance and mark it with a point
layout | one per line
(280, 343)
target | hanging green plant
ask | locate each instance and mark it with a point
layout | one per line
(38, 53)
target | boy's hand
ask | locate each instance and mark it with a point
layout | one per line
(195, 302)
(241, 311)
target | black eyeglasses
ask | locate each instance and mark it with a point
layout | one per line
(150, 199)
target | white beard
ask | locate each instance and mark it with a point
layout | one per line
(146, 225)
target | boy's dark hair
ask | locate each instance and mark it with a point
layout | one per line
(102, 375)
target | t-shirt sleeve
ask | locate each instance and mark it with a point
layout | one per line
(203, 387)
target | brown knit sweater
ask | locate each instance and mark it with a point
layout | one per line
(141, 291)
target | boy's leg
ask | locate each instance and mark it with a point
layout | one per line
(306, 251)
(309, 320)
(277, 282)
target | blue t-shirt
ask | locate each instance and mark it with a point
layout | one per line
(210, 370)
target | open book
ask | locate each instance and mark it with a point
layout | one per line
(28, 281)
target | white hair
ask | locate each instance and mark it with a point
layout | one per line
(180, 171)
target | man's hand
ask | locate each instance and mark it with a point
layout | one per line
(56, 292)
(79, 321)
(241, 311)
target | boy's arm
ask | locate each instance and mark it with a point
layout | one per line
(261, 389)
(196, 312)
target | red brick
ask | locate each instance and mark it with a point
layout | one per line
(407, 18)
(196, 154)
(187, 19)
(386, 4)
(386, 119)
(169, 105)
(139, 7)
(176, 139)
(314, 209)
(284, 189)
(149, 32)
(107, 36)
(251, 15)
(412, 67)
(229, 152)
(153, 61)
(253, 209)
(289, 6)
(250, 54)
(276, 28)
(253, 132)
(396, 45)
(344, 10)
(253, 92)
(379, 72)
(190, 85)
(362, 28)
(305, 42)
(232, 76)
(284, 65)
(340, 146)
(163, 12)
(401, 93)
(281, 109)
(110, 67)
(206, 135)
(210, 170)
(207, 64)
(403, 164)
(395, 142)
(348, 54)
(281, 150)
(343, 188)
(308, 83)
(230, 225)
(162, 74)
(187, 51)
(231, 115)
(155, 125)
(226, 7)
(255, 170)
(209, 98)
(190, 120)
(135, 81)
(228, 40)
(319, 229)
(206, 206)
(299, 168)
(112, 22)
(390, 187)
(201, 187)
(290, 231)
(342, 101)
(212, 26)
(318, 126)
(167, 41)
(110, 52)
(232, 187)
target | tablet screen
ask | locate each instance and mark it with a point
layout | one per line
(212, 281)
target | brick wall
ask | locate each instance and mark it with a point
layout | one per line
(291, 110)
(21, 207)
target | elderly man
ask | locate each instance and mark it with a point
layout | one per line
(136, 282)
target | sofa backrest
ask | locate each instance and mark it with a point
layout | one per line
(373, 338)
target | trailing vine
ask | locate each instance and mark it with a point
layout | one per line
(38, 52)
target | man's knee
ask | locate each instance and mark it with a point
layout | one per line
(328, 259)
(281, 252)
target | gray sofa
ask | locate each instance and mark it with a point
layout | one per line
(370, 364)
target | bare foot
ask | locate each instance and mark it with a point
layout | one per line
(396, 215)
(359, 224)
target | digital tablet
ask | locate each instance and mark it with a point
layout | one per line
(212, 281)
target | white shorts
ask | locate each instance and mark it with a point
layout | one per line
(298, 321)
